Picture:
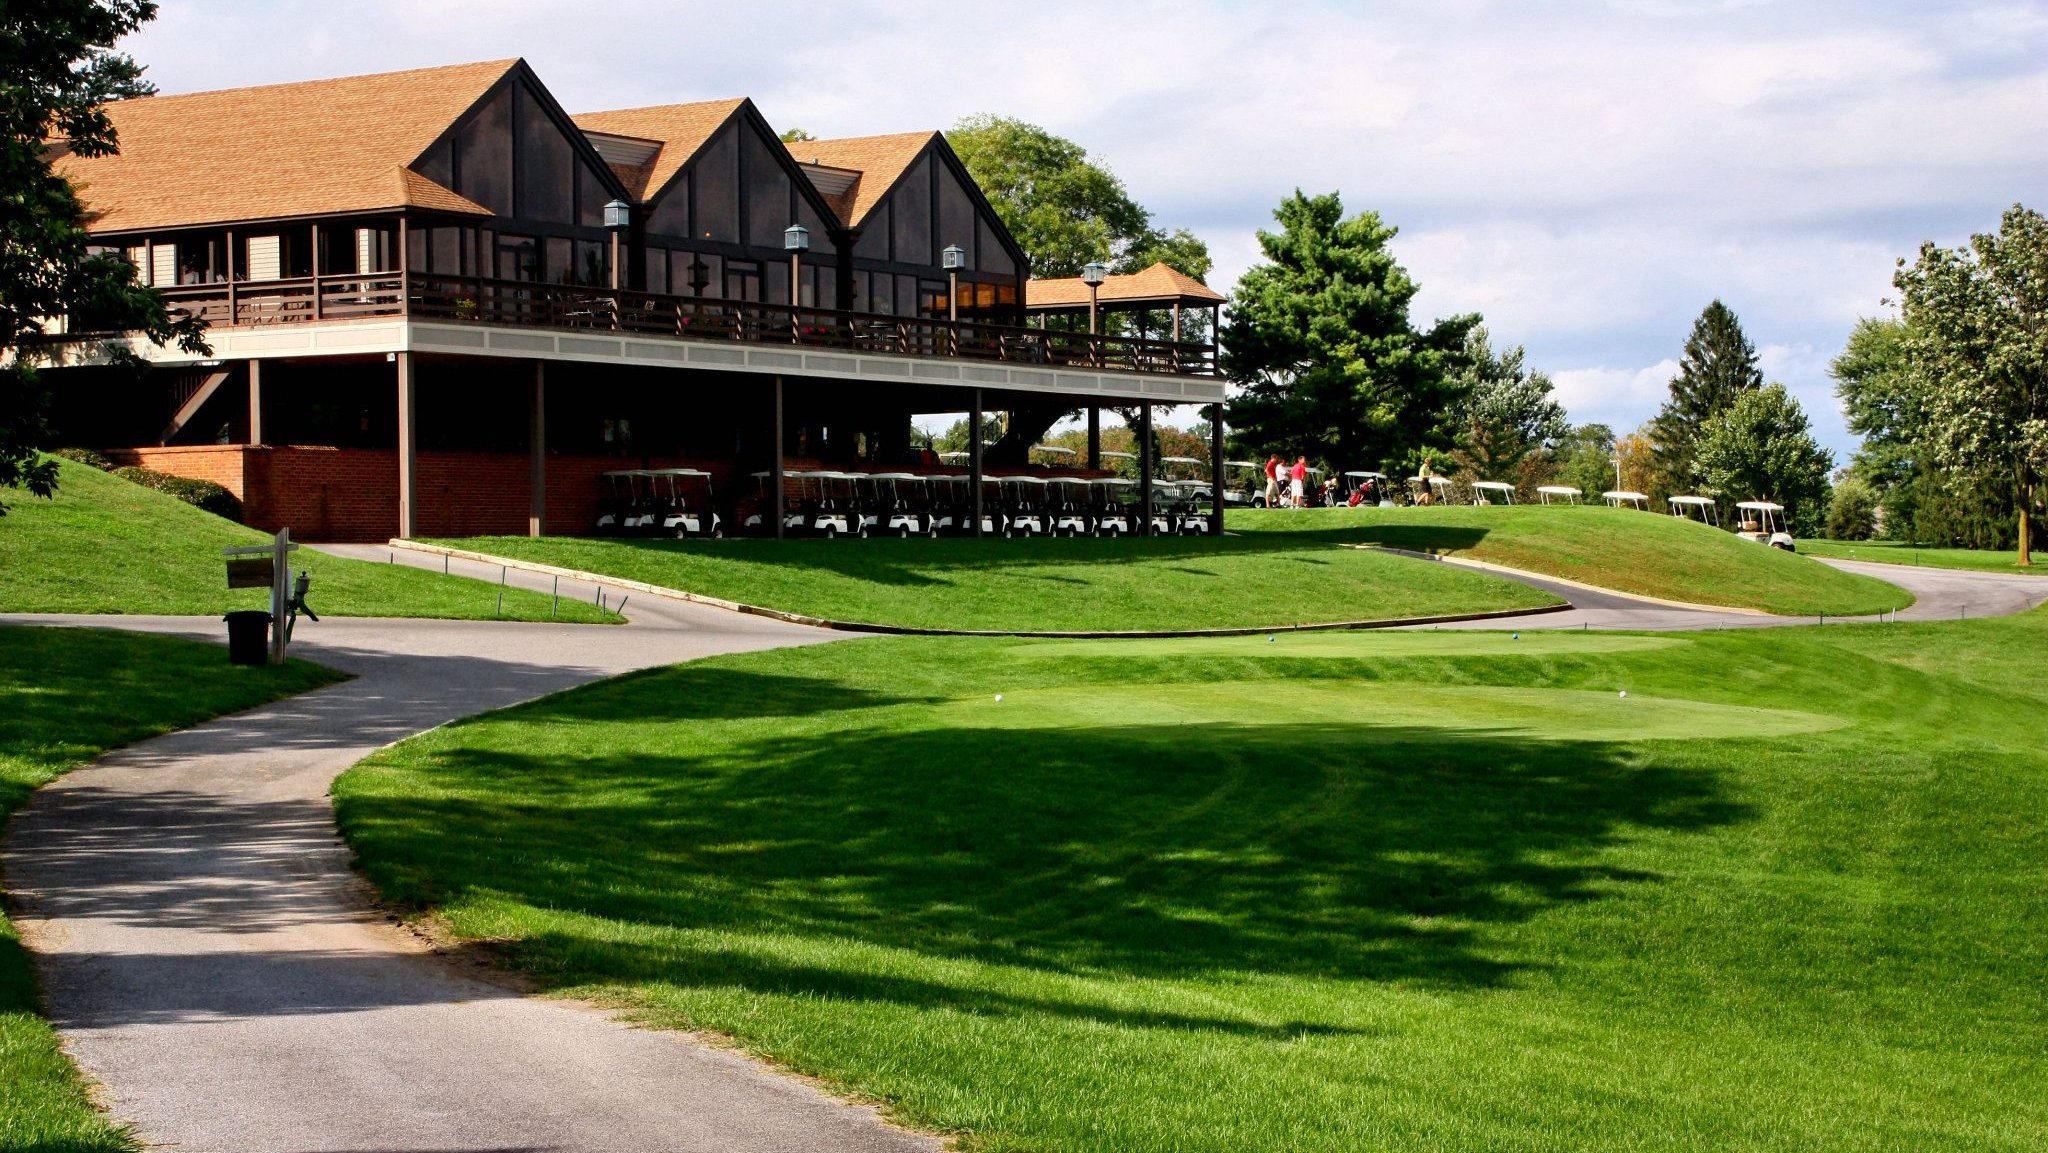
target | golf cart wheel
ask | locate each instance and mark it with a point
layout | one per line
(862, 533)
(718, 534)
(903, 532)
(828, 532)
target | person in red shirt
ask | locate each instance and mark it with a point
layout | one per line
(1298, 482)
(1273, 480)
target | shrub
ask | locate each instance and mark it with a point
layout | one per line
(86, 456)
(201, 493)
(1852, 511)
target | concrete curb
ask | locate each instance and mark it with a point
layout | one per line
(1503, 570)
(900, 630)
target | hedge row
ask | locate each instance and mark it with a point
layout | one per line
(201, 493)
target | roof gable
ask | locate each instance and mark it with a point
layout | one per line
(316, 147)
(880, 160)
(1159, 284)
(680, 129)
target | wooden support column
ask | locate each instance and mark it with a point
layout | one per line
(316, 272)
(1145, 469)
(408, 503)
(974, 460)
(777, 499)
(1216, 472)
(255, 402)
(1094, 436)
(537, 453)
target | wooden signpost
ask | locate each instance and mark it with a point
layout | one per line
(257, 565)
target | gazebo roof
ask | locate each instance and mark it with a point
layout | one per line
(1155, 287)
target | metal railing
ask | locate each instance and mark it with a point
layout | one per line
(532, 305)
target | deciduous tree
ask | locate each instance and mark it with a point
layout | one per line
(1761, 448)
(58, 70)
(1509, 412)
(1977, 339)
(1320, 341)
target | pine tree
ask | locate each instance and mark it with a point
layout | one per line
(1719, 366)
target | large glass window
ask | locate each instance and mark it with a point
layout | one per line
(715, 182)
(874, 237)
(591, 197)
(911, 205)
(558, 267)
(956, 214)
(593, 264)
(518, 258)
(768, 209)
(547, 165)
(906, 296)
(655, 262)
(484, 158)
(671, 215)
(743, 280)
(444, 251)
(821, 237)
(881, 295)
(697, 274)
(994, 257)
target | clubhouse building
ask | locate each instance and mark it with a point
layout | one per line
(438, 304)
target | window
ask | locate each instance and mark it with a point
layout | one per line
(768, 210)
(874, 237)
(697, 274)
(444, 250)
(518, 258)
(655, 263)
(906, 296)
(593, 264)
(547, 166)
(714, 181)
(881, 294)
(163, 264)
(742, 280)
(911, 205)
(591, 197)
(373, 250)
(264, 259)
(671, 215)
(484, 155)
(994, 257)
(559, 268)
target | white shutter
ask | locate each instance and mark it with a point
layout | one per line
(139, 257)
(163, 265)
(264, 261)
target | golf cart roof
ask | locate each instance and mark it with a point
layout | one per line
(1020, 478)
(1054, 449)
(1760, 505)
(1368, 475)
(894, 476)
(1557, 489)
(1439, 481)
(1119, 455)
(1624, 494)
(1180, 460)
(677, 472)
(1112, 480)
(1240, 464)
(1493, 485)
(623, 472)
(1694, 501)
(956, 454)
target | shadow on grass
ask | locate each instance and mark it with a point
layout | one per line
(1342, 850)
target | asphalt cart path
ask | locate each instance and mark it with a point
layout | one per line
(210, 958)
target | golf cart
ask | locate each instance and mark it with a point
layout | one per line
(1699, 508)
(1111, 501)
(1433, 489)
(1061, 457)
(682, 515)
(1066, 506)
(1492, 492)
(1563, 493)
(1367, 488)
(1192, 514)
(826, 496)
(620, 498)
(1622, 498)
(1024, 498)
(900, 503)
(775, 504)
(1253, 492)
(1763, 522)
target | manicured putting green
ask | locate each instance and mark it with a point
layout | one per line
(1519, 713)
(1361, 645)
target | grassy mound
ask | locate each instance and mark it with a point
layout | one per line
(104, 545)
(1620, 549)
(1899, 552)
(1330, 892)
(56, 686)
(1043, 585)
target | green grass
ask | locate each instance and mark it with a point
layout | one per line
(1327, 892)
(1899, 552)
(1042, 585)
(103, 545)
(1621, 549)
(66, 696)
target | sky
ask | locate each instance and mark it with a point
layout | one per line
(1587, 175)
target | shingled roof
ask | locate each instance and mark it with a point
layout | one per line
(317, 147)
(1155, 285)
(880, 160)
(682, 129)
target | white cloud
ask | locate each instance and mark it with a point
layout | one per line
(1588, 176)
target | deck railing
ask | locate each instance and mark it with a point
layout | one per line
(531, 305)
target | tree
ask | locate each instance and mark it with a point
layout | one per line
(795, 135)
(1320, 341)
(1064, 209)
(1585, 459)
(1509, 411)
(1977, 339)
(1638, 456)
(1718, 366)
(1852, 510)
(57, 72)
(1762, 448)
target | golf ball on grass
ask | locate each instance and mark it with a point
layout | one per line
(1624, 695)
(999, 696)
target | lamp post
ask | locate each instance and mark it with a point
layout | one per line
(952, 259)
(1092, 275)
(796, 239)
(617, 216)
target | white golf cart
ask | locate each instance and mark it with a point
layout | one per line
(682, 514)
(1357, 480)
(1024, 498)
(826, 498)
(1111, 498)
(1559, 493)
(1763, 522)
(1253, 492)
(620, 498)
(1434, 489)
(1700, 508)
(1492, 492)
(1067, 505)
(899, 504)
(1622, 498)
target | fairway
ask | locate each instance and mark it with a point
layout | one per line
(103, 545)
(66, 696)
(1322, 893)
(1902, 553)
(1622, 549)
(1042, 584)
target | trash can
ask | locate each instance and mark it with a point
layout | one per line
(248, 637)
